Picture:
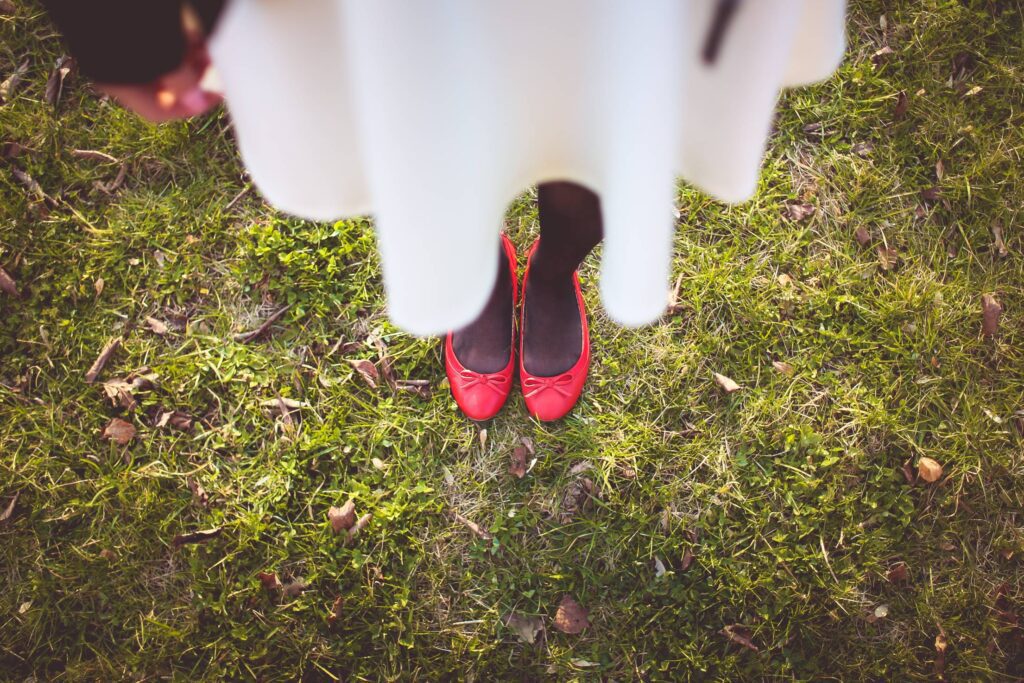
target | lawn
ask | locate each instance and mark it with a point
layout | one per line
(786, 530)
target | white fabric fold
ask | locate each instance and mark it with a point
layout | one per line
(433, 114)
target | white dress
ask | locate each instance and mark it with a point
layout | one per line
(434, 114)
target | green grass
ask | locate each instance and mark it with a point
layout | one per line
(788, 494)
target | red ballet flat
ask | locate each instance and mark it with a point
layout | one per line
(551, 398)
(481, 395)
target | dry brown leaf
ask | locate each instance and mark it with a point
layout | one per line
(420, 387)
(269, 580)
(863, 149)
(688, 558)
(108, 554)
(526, 628)
(940, 170)
(931, 194)
(881, 54)
(726, 383)
(1000, 245)
(7, 284)
(98, 285)
(10, 84)
(576, 498)
(941, 643)
(517, 467)
(156, 326)
(343, 518)
(55, 84)
(887, 257)
(991, 311)
(798, 211)
(482, 534)
(335, 612)
(785, 280)
(897, 573)
(367, 371)
(119, 392)
(929, 469)
(571, 617)
(902, 106)
(199, 495)
(783, 367)
(101, 360)
(387, 371)
(740, 635)
(176, 419)
(908, 473)
(862, 235)
(119, 431)
(196, 537)
(9, 510)
(359, 525)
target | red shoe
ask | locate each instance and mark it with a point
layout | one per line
(481, 395)
(551, 398)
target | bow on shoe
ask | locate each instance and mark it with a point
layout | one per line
(496, 382)
(535, 385)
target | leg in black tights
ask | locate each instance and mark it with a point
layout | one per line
(570, 227)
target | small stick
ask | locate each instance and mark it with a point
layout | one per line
(97, 367)
(238, 196)
(244, 337)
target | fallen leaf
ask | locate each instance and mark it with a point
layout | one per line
(887, 257)
(199, 495)
(797, 211)
(881, 612)
(101, 360)
(991, 310)
(581, 466)
(11, 83)
(98, 285)
(577, 498)
(862, 149)
(931, 194)
(359, 525)
(571, 617)
(740, 635)
(387, 371)
(55, 83)
(897, 573)
(881, 54)
(196, 537)
(659, 567)
(785, 280)
(7, 8)
(156, 326)
(908, 473)
(1000, 245)
(378, 464)
(726, 383)
(688, 558)
(783, 368)
(526, 628)
(343, 518)
(483, 439)
(367, 370)
(119, 431)
(940, 170)
(120, 393)
(9, 510)
(517, 467)
(862, 235)
(973, 91)
(929, 469)
(7, 284)
(108, 555)
(24, 607)
(902, 105)
(528, 444)
(482, 534)
(335, 612)
(176, 419)
(269, 580)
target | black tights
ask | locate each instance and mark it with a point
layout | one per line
(570, 227)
